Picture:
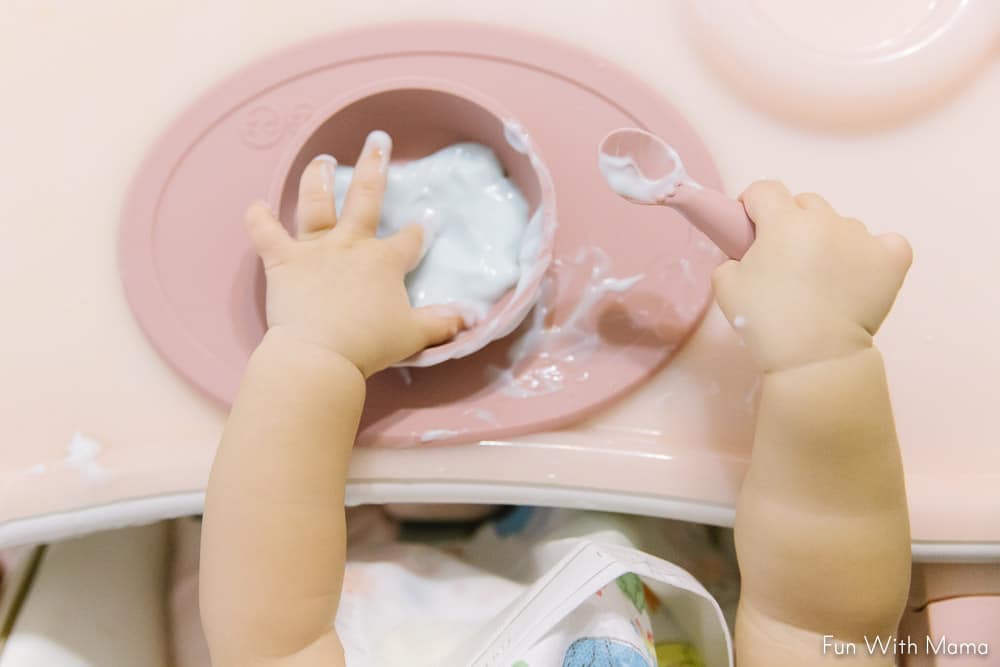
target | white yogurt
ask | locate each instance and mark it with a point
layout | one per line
(535, 236)
(82, 453)
(624, 177)
(475, 222)
(558, 354)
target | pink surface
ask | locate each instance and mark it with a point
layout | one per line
(195, 284)
(970, 619)
(87, 100)
(932, 582)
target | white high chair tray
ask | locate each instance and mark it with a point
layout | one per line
(95, 430)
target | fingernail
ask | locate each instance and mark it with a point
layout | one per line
(380, 143)
(328, 164)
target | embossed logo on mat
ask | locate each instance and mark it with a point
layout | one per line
(264, 126)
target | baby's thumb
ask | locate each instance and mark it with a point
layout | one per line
(270, 239)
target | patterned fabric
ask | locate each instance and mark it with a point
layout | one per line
(416, 604)
(603, 652)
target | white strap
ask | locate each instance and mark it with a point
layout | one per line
(585, 569)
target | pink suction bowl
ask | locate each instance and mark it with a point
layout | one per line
(196, 287)
(424, 115)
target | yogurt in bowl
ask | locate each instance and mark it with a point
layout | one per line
(467, 172)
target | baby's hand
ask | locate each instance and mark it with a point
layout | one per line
(338, 286)
(814, 285)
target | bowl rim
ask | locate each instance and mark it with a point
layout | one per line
(509, 317)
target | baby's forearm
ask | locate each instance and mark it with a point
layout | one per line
(822, 529)
(273, 537)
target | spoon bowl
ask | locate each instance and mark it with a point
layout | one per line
(644, 169)
(654, 159)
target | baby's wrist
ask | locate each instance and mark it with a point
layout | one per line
(787, 326)
(291, 342)
(808, 348)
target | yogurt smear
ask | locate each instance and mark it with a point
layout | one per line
(624, 176)
(475, 220)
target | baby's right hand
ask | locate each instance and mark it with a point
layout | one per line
(338, 286)
(814, 285)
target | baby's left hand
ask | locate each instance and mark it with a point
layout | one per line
(338, 286)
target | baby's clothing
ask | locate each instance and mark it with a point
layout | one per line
(407, 603)
(423, 604)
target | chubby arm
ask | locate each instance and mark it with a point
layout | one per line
(274, 537)
(273, 549)
(822, 527)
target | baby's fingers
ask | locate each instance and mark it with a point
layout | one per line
(765, 201)
(810, 201)
(408, 245)
(364, 199)
(438, 324)
(316, 211)
(269, 237)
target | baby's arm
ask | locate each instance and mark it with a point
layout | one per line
(822, 529)
(337, 310)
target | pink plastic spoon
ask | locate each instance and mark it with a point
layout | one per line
(644, 169)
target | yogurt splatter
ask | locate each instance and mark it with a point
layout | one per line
(82, 453)
(560, 350)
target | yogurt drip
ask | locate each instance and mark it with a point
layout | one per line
(556, 354)
(475, 222)
(624, 176)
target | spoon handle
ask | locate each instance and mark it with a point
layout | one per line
(721, 219)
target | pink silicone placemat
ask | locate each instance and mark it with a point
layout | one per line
(626, 288)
